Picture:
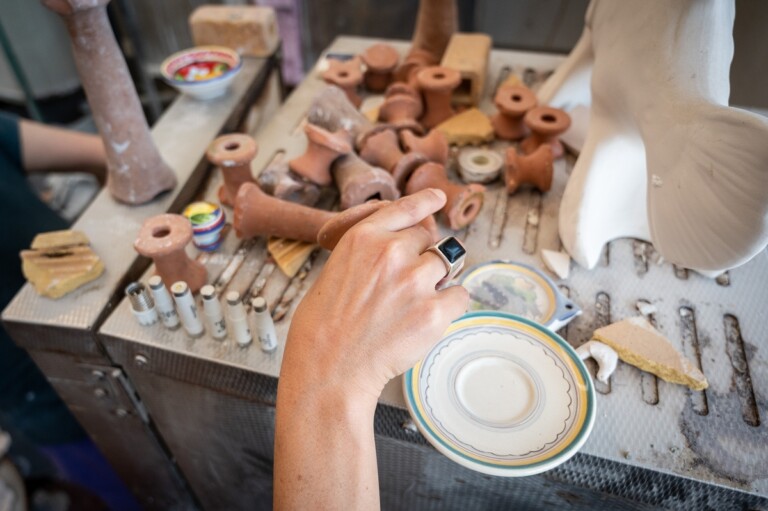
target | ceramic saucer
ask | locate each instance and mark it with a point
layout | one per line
(502, 395)
(519, 289)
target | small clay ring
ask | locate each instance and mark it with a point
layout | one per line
(480, 165)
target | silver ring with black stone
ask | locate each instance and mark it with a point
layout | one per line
(452, 252)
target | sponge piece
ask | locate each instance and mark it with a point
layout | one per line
(641, 345)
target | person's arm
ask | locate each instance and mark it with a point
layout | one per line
(50, 149)
(371, 315)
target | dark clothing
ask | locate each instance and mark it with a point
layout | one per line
(27, 401)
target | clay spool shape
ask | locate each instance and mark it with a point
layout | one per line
(332, 232)
(332, 111)
(416, 60)
(434, 146)
(380, 60)
(164, 239)
(464, 202)
(478, 165)
(259, 214)
(278, 180)
(513, 102)
(437, 84)
(546, 124)
(359, 182)
(535, 169)
(233, 154)
(401, 111)
(323, 147)
(382, 150)
(347, 75)
(402, 88)
(135, 171)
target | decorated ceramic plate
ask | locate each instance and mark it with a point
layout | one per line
(502, 395)
(519, 289)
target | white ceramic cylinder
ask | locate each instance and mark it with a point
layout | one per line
(238, 321)
(265, 327)
(187, 309)
(164, 303)
(214, 316)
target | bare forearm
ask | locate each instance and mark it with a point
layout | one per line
(325, 456)
(49, 149)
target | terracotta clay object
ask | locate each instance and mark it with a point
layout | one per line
(359, 182)
(513, 103)
(381, 60)
(323, 147)
(233, 154)
(464, 202)
(434, 146)
(401, 111)
(331, 110)
(415, 61)
(258, 214)
(535, 169)
(437, 84)
(436, 22)
(280, 181)
(545, 123)
(383, 150)
(135, 171)
(402, 88)
(164, 239)
(331, 233)
(347, 75)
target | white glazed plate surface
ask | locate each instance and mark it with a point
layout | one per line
(502, 395)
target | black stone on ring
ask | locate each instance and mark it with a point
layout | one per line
(452, 253)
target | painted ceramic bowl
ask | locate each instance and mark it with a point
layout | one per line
(204, 72)
(516, 288)
(502, 395)
(207, 221)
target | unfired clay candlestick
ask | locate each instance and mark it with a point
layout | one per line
(381, 60)
(332, 111)
(347, 75)
(280, 181)
(535, 169)
(233, 154)
(359, 182)
(258, 214)
(135, 171)
(323, 147)
(382, 150)
(546, 124)
(331, 233)
(434, 146)
(464, 202)
(164, 238)
(436, 22)
(401, 111)
(437, 84)
(513, 102)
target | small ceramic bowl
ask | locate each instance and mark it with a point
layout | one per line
(203, 72)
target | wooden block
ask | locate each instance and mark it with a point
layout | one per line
(468, 54)
(470, 127)
(290, 255)
(60, 262)
(250, 30)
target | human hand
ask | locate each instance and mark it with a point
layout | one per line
(374, 310)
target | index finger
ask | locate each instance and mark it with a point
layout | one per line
(409, 210)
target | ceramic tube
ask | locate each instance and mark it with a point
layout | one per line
(187, 308)
(238, 321)
(142, 305)
(265, 327)
(164, 303)
(213, 313)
